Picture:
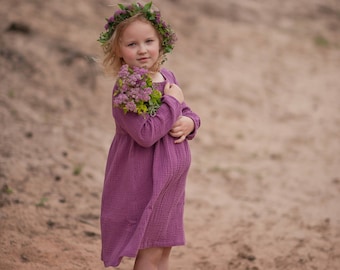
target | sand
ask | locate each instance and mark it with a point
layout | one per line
(264, 187)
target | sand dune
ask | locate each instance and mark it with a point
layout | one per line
(264, 187)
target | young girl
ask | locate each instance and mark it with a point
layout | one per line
(148, 162)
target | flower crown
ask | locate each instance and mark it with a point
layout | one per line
(126, 12)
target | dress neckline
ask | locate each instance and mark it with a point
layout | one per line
(159, 85)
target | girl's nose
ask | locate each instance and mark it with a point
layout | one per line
(142, 49)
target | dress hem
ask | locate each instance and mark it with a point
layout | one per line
(131, 255)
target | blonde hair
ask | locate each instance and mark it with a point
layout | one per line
(111, 61)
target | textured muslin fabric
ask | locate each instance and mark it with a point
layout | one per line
(144, 186)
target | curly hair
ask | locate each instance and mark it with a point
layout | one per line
(112, 62)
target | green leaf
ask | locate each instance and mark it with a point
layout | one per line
(147, 6)
(120, 82)
(121, 6)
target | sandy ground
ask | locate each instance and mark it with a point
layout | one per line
(264, 188)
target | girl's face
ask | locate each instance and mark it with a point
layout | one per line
(140, 45)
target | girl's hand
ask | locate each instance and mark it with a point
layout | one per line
(182, 128)
(175, 91)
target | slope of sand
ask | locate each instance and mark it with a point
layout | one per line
(264, 187)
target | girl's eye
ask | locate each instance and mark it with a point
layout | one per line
(149, 41)
(131, 44)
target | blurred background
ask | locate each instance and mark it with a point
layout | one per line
(264, 187)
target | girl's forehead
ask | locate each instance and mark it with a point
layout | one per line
(138, 28)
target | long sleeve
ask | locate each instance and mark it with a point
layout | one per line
(197, 121)
(186, 111)
(146, 130)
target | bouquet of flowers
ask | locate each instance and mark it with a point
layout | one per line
(134, 91)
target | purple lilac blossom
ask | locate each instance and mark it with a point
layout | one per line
(131, 106)
(132, 89)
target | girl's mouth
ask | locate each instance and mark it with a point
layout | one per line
(143, 59)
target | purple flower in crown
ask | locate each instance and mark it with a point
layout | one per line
(118, 13)
(111, 19)
(157, 17)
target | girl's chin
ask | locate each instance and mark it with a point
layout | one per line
(143, 66)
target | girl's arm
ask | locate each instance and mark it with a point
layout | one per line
(187, 112)
(147, 130)
(186, 126)
(182, 124)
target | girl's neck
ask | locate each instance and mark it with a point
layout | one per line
(157, 77)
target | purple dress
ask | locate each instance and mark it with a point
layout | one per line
(144, 187)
